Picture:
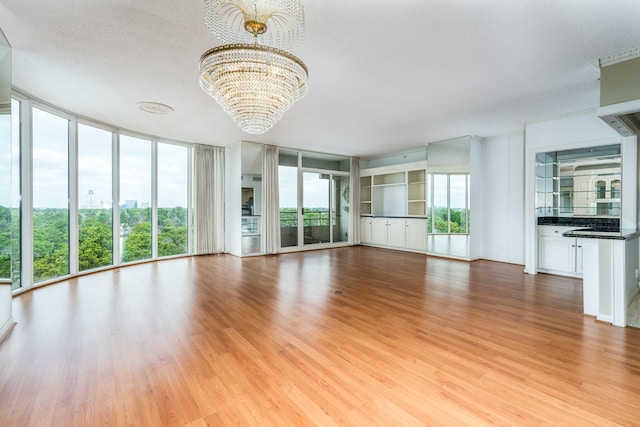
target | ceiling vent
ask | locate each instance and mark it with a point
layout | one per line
(620, 93)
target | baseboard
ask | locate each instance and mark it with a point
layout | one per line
(6, 329)
(608, 319)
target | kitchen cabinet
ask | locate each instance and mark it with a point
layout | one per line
(558, 254)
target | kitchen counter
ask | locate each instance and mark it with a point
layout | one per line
(610, 270)
(603, 233)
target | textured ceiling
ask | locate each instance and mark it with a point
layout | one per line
(384, 75)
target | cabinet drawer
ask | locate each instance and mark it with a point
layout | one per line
(552, 230)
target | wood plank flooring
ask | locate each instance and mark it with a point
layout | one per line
(354, 336)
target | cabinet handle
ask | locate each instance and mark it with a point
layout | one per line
(573, 246)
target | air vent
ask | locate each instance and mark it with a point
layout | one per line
(620, 96)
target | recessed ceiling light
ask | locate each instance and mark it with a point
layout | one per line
(154, 107)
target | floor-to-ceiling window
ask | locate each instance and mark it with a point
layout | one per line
(448, 203)
(95, 201)
(92, 198)
(16, 219)
(173, 199)
(135, 198)
(50, 195)
(5, 195)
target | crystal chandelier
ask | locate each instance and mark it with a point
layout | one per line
(252, 76)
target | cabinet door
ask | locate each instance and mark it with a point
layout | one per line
(416, 234)
(379, 231)
(557, 253)
(396, 232)
(365, 230)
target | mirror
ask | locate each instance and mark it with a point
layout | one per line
(9, 234)
(448, 181)
(251, 198)
(583, 182)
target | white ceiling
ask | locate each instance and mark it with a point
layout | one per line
(384, 75)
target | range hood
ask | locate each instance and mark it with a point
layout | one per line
(620, 96)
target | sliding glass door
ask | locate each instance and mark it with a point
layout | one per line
(316, 208)
(314, 200)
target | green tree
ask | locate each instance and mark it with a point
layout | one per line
(95, 242)
(5, 242)
(50, 243)
(172, 241)
(138, 243)
(52, 265)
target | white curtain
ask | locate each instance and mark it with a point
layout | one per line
(354, 225)
(208, 191)
(270, 200)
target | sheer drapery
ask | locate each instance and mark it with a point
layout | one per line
(209, 199)
(271, 204)
(354, 217)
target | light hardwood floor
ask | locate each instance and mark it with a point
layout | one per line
(352, 336)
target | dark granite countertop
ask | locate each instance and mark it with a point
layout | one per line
(603, 233)
(582, 222)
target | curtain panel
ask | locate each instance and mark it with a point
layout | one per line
(209, 199)
(270, 199)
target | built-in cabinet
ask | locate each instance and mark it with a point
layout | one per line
(399, 233)
(388, 232)
(558, 254)
(393, 205)
(394, 191)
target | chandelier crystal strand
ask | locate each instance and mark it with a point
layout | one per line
(254, 84)
(252, 76)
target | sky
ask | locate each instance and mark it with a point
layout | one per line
(50, 167)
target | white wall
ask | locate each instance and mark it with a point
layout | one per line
(574, 131)
(477, 205)
(632, 264)
(503, 180)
